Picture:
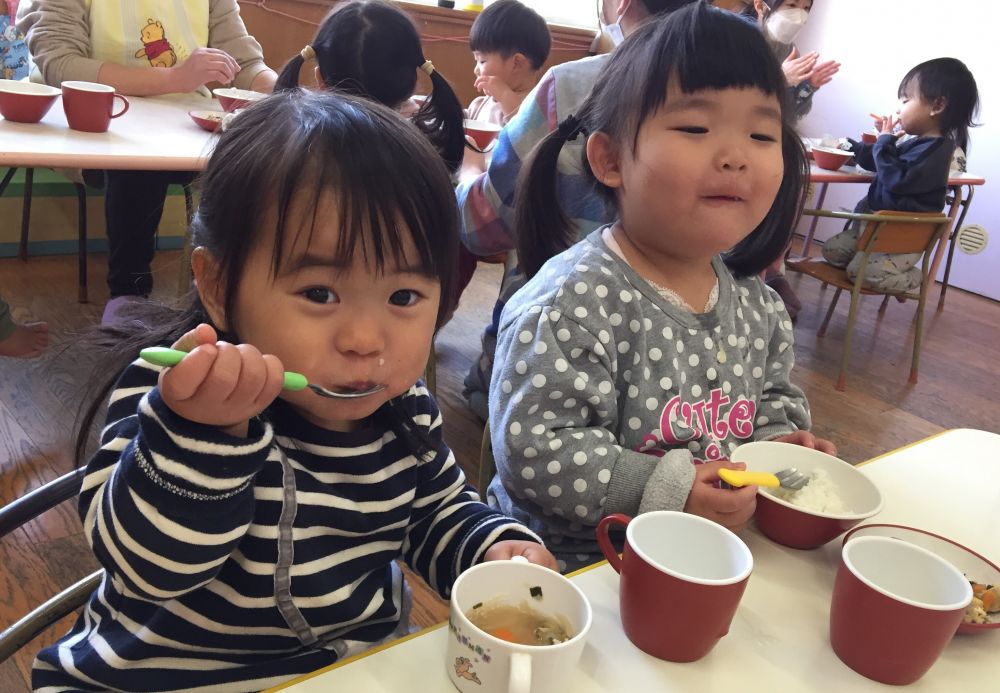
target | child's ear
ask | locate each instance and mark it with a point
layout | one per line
(602, 154)
(211, 289)
(520, 63)
(937, 108)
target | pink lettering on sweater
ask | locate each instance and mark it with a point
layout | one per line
(716, 418)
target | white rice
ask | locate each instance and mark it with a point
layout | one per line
(819, 495)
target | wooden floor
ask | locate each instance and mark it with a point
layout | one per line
(879, 412)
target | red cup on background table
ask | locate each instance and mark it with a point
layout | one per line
(89, 106)
(869, 137)
(480, 135)
(895, 607)
(682, 578)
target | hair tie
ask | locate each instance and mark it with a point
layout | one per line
(308, 53)
(428, 67)
(569, 128)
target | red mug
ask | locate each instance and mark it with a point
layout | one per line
(895, 607)
(89, 106)
(869, 137)
(682, 578)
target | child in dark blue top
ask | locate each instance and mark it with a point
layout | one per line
(938, 101)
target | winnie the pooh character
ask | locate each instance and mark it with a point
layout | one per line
(155, 46)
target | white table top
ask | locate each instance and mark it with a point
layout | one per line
(856, 174)
(156, 134)
(779, 639)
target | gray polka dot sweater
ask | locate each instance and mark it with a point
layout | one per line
(604, 393)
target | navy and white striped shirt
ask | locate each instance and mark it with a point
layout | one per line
(234, 564)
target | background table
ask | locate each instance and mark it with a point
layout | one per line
(961, 186)
(779, 639)
(156, 134)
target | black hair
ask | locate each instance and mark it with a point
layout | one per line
(292, 149)
(949, 80)
(655, 7)
(508, 27)
(371, 48)
(772, 6)
(704, 48)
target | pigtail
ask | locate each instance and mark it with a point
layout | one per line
(543, 229)
(289, 77)
(442, 119)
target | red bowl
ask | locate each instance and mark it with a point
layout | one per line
(830, 159)
(869, 137)
(207, 120)
(230, 98)
(25, 102)
(971, 564)
(795, 526)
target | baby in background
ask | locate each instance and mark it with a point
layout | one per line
(510, 43)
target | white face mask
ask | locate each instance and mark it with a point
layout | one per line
(784, 25)
(613, 31)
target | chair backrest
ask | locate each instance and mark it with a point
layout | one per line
(12, 516)
(903, 232)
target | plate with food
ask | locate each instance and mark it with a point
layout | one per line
(984, 612)
(208, 120)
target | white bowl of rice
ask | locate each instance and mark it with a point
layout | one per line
(837, 497)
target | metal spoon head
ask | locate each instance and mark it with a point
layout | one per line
(792, 478)
(323, 392)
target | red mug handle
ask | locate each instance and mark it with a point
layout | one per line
(124, 101)
(604, 540)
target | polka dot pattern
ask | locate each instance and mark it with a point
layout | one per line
(586, 376)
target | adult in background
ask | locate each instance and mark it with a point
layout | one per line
(487, 202)
(141, 48)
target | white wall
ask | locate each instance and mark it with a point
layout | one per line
(877, 42)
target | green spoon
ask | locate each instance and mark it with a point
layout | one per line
(294, 382)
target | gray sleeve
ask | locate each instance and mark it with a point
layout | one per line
(227, 32)
(670, 483)
(553, 403)
(58, 35)
(783, 408)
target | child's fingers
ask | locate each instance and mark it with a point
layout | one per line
(202, 334)
(184, 380)
(273, 383)
(251, 377)
(224, 375)
(731, 501)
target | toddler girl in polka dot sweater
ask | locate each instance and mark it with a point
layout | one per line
(652, 344)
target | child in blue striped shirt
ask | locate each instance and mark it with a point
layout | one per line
(250, 534)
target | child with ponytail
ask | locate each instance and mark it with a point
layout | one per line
(371, 48)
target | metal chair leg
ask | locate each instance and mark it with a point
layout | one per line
(885, 302)
(965, 202)
(821, 332)
(6, 179)
(81, 197)
(29, 180)
(852, 317)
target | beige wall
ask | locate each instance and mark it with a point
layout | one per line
(283, 27)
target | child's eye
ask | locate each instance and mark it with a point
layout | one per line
(692, 130)
(761, 137)
(318, 294)
(404, 297)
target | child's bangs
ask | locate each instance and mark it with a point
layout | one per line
(387, 195)
(726, 53)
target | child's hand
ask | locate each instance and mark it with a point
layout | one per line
(535, 553)
(220, 384)
(823, 73)
(204, 65)
(798, 68)
(731, 508)
(808, 440)
(887, 125)
(500, 91)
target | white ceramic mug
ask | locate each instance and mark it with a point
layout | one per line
(480, 663)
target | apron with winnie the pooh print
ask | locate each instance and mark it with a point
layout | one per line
(140, 33)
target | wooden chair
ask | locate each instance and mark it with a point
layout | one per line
(885, 232)
(12, 516)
